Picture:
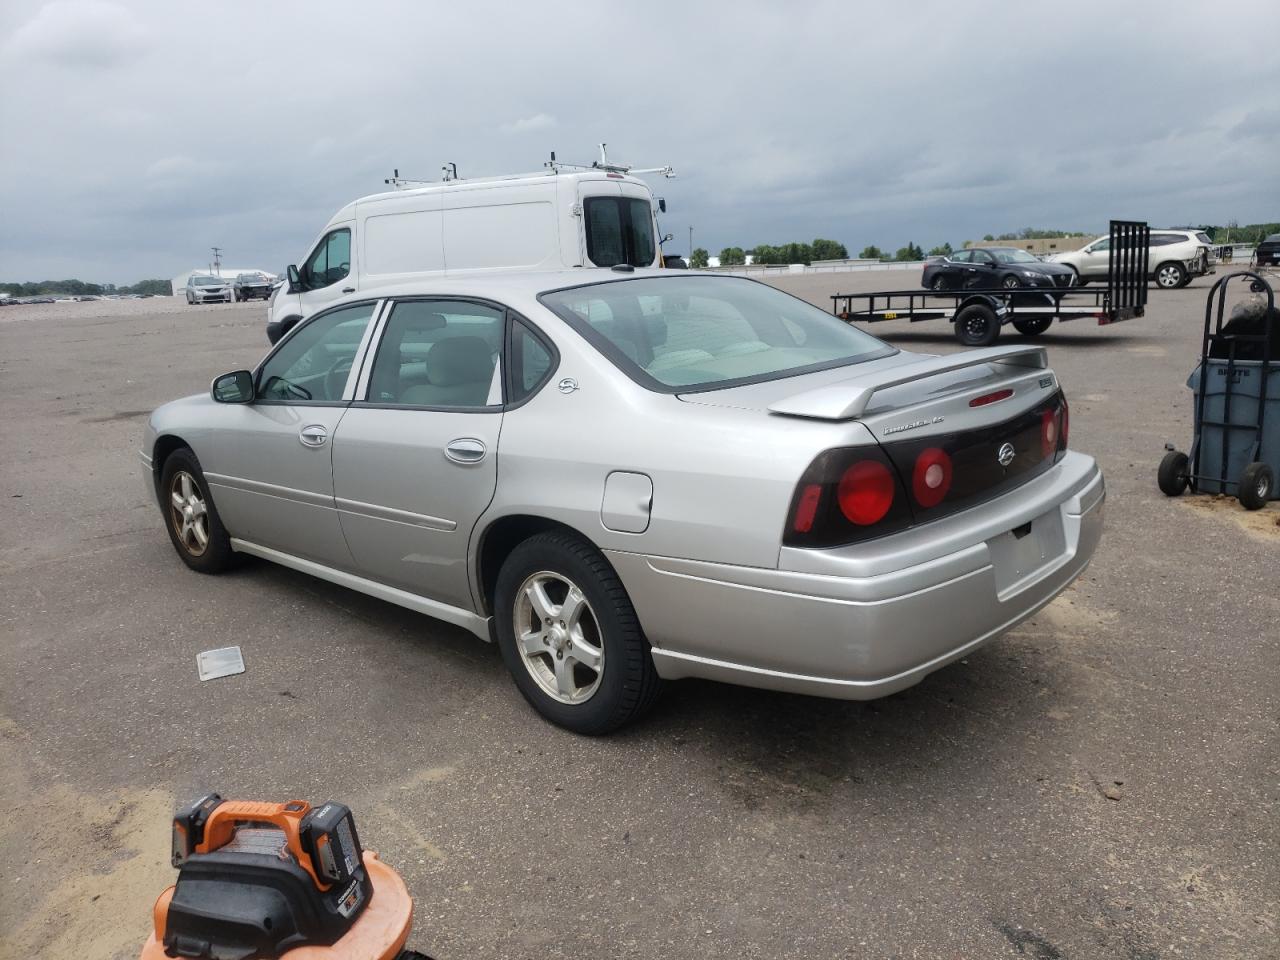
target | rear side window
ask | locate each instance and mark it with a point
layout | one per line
(619, 230)
(530, 359)
(439, 353)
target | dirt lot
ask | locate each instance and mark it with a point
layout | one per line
(1102, 782)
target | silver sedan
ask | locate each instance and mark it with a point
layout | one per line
(625, 477)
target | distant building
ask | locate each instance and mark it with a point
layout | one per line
(228, 273)
(1037, 247)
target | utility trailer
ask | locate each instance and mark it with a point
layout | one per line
(977, 314)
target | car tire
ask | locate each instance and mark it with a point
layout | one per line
(196, 518)
(1033, 327)
(1076, 281)
(616, 681)
(1174, 474)
(190, 302)
(1186, 282)
(1010, 282)
(939, 283)
(1170, 276)
(1257, 483)
(977, 325)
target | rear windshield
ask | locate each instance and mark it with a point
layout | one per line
(683, 334)
(619, 230)
(1203, 238)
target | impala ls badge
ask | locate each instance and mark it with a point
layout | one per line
(1006, 454)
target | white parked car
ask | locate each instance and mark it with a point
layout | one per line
(1176, 257)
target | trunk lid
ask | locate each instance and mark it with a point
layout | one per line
(957, 430)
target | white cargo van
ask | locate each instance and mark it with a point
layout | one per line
(540, 221)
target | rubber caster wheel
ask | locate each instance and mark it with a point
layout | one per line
(1256, 484)
(1173, 475)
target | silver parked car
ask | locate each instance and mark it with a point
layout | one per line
(624, 476)
(206, 288)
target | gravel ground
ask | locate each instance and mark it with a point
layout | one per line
(1101, 782)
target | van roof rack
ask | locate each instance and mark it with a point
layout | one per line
(449, 172)
(603, 164)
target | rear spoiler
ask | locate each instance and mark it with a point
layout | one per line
(849, 399)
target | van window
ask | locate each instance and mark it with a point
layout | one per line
(329, 262)
(619, 230)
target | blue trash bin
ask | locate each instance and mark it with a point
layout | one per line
(1245, 393)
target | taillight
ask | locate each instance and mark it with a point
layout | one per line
(865, 493)
(846, 495)
(1049, 432)
(807, 508)
(931, 478)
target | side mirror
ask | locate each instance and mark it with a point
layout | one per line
(234, 387)
(665, 239)
(295, 278)
(662, 204)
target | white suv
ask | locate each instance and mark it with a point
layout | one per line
(1176, 257)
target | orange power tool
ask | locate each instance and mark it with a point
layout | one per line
(262, 881)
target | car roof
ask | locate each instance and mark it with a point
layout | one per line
(524, 284)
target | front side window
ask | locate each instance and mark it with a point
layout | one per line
(700, 333)
(329, 262)
(313, 364)
(439, 353)
(619, 230)
(1102, 246)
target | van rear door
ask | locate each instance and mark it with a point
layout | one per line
(618, 225)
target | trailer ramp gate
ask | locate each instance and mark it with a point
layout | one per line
(1128, 265)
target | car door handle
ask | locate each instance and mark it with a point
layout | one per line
(313, 435)
(348, 289)
(465, 450)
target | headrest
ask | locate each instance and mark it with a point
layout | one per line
(418, 317)
(459, 360)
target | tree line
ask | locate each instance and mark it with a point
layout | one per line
(785, 253)
(82, 288)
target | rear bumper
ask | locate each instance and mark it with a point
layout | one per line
(886, 627)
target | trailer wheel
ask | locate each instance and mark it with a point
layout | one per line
(1256, 484)
(1033, 327)
(1169, 276)
(977, 326)
(1172, 477)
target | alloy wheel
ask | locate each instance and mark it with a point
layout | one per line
(1168, 276)
(189, 513)
(558, 637)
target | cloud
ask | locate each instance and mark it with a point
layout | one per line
(79, 33)
(539, 121)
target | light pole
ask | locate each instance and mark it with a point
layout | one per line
(691, 246)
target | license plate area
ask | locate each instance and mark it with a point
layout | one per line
(1020, 556)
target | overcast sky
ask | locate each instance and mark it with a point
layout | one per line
(135, 135)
